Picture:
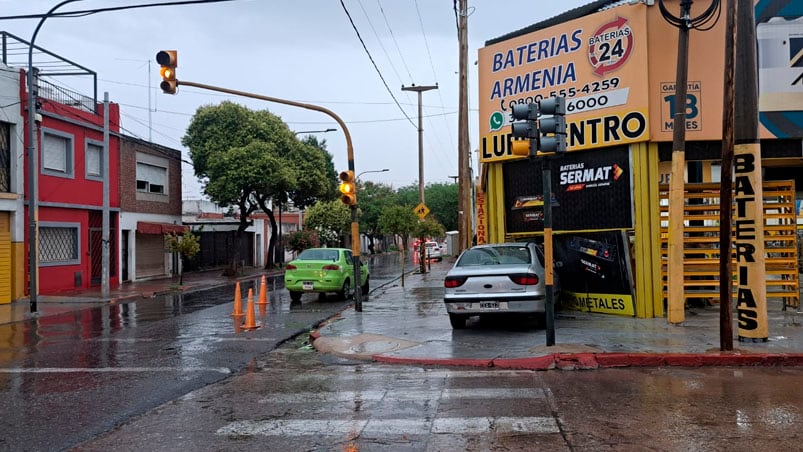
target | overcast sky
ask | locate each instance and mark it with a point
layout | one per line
(302, 50)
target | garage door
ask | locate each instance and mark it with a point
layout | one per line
(150, 254)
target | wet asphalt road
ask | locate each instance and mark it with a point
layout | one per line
(297, 399)
(66, 379)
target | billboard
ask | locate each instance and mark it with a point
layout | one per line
(597, 62)
(590, 190)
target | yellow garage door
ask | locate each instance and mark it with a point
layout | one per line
(5, 258)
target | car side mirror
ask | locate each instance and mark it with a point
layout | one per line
(557, 264)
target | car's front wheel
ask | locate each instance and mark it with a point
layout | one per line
(458, 321)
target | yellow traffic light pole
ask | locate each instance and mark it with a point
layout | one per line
(355, 225)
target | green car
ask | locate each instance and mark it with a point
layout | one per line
(322, 270)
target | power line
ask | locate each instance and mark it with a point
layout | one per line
(89, 12)
(374, 63)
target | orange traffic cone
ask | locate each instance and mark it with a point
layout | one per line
(263, 292)
(238, 302)
(250, 315)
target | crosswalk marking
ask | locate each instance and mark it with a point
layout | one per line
(463, 425)
(405, 395)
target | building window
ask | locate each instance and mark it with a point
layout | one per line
(94, 160)
(57, 154)
(5, 157)
(151, 178)
(58, 244)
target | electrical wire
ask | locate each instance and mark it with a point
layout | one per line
(698, 23)
(374, 63)
(88, 12)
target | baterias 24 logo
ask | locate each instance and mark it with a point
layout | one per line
(610, 46)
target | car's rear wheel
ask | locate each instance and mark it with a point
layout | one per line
(295, 296)
(458, 321)
(343, 294)
(365, 288)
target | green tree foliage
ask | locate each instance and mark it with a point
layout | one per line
(428, 228)
(372, 198)
(247, 159)
(301, 240)
(186, 245)
(441, 198)
(399, 221)
(330, 219)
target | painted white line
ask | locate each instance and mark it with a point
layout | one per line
(478, 425)
(493, 393)
(391, 427)
(59, 370)
(405, 394)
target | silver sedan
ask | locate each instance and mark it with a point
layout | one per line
(495, 279)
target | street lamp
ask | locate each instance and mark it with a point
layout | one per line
(383, 170)
(315, 131)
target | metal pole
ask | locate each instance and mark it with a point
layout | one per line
(104, 278)
(548, 265)
(421, 241)
(33, 169)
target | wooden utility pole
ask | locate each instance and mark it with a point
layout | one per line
(726, 184)
(464, 173)
(751, 283)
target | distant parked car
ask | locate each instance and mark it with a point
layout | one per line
(322, 270)
(495, 279)
(433, 251)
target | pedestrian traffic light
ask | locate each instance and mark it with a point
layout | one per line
(553, 129)
(527, 129)
(348, 188)
(168, 59)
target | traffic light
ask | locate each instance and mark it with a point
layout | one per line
(168, 59)
(527, 129)
(348, 188)
(555, 126)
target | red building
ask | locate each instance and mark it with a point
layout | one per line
(70, 178)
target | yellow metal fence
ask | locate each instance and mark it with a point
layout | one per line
(701, 242)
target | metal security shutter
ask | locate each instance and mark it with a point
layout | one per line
(150, 255)
(5, 258)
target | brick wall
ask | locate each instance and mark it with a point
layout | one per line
(129, 147)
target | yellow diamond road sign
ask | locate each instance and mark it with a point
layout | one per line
(421, 210)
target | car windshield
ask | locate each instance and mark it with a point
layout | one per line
(495, 255)
(317, 255)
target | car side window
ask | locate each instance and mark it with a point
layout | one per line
(348, 256)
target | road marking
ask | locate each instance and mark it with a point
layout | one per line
(406, 394)
(424, 374)
(57, 370)
(465, 425)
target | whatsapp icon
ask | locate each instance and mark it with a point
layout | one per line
(496, 120)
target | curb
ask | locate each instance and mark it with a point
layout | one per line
(590, 361)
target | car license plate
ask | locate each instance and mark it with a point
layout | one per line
(489, 305)
(307, 285)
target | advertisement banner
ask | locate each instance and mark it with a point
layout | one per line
(590, 190)
(598, 62)
(595, 275)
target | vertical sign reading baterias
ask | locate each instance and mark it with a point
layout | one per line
(751, 286)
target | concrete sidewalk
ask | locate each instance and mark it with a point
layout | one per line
(53, 305)
(410, 325)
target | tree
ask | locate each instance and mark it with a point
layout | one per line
(247, 159)
(301, 240)
(186, 245)
(441, 198)
(330, 219)
(372, 199)
(428, 227)
(399, 221)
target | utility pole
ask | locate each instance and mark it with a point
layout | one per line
(751, 283)
(726, 184)
(420, 90)
(464, 189)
